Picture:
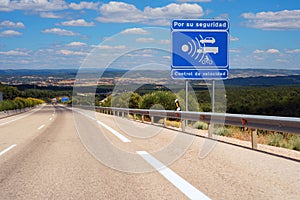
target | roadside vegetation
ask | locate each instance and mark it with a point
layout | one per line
(19, 103)
(282, 101)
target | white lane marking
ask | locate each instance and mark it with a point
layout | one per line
(21, 116)
(116, 133)
(50, 119)
(41, 127)
(7, 149)
(185, 187)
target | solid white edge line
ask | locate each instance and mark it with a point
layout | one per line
(116, 133)
(23, 116)
(7, 149)
(185, 187)
(42, 126)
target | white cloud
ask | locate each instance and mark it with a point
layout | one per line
(10, 24)
(271, 51)
(59, 31)
(76, 44)
(13, 53)
(135, 31)
(164, 42)
(293, 51)
(257, 51)
(145, 40)
(71, 53)
(84, 5)
(281, 61)
(234, 51)
(281, 20)
(32, 5)
(10, 33)
(78, 22)
(193, 1)
(49, 15)
(120, 12)
(107, 47)
(233, 39)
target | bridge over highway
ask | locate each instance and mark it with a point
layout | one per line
(54, 152)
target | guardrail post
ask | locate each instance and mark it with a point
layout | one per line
(210, 130)
(183, 125)
(143, 118)
(165, 122)
(254, 139)
(134, 116)
(152, 119)
(123, 114)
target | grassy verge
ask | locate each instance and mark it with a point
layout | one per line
(284, 140)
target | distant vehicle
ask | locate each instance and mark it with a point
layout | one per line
(210, 40)
(54, 101)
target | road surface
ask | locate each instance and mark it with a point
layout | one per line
(54, 152)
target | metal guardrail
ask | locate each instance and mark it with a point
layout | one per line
(8, 113)
(254, 122)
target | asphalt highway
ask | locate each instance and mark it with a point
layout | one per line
(54, 152)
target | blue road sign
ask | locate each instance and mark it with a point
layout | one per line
(200, 44)
(65, 99)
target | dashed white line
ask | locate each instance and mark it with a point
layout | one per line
(7, 149)
(116, 133)
(42, 126)
(185, 187)
(50, 119)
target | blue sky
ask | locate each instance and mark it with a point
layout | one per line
(61, 34)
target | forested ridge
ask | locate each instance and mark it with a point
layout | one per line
(259, 100)
(276, 101)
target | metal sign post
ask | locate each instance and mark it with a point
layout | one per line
(186, 95)
(213, 96)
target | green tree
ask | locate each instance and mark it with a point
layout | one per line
(159, 100)
(123, 100)
(193, 104)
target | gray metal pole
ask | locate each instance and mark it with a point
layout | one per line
(185, 122)
(186, 95)
(213, 97)
(211, 126)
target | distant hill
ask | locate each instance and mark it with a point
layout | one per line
(29, 72)
(265, 81)
(234, 73)
(239, 77)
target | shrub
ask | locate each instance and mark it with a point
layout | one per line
(162, 98)
(223, 132)
(275, 139)
(200, 125)
(19, 103)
